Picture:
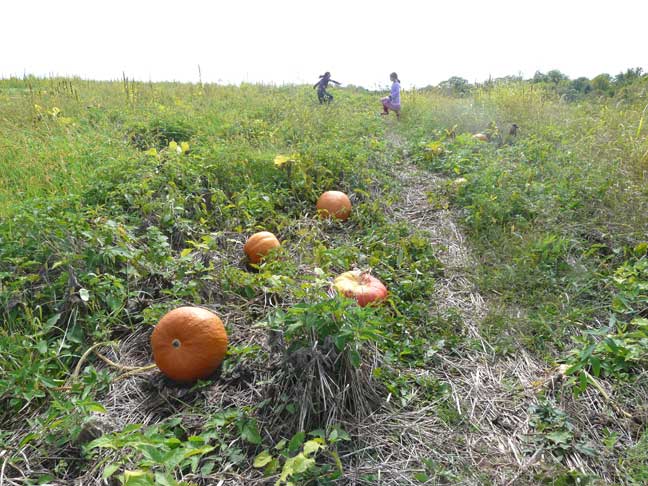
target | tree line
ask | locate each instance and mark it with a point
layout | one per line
(570, 89)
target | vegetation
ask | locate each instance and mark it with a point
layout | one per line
(122, 201)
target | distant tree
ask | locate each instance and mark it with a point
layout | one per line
(539, 77)
(628, 77)
(581, 85)
(556, 76)
(602, 83)
(455, 86)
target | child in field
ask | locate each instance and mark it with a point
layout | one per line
(392, 102)
(321, 85)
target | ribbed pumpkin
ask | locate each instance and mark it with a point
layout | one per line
(259, 244)
(334, 204)
(362, 286)
(189, 343)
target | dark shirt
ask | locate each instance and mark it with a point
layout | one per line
(322, 84)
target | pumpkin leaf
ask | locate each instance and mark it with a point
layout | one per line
(249, 431)
(262, 459)
(296, 441)
(354, 357)
(313, 445)
(296, 465)
(138, 478)
(109, 470)
(162, 479)
(560, 437)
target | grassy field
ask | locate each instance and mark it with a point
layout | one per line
(512, 348)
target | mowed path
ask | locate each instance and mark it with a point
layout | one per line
(486, 438)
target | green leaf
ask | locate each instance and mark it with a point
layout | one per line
(313, 445)
(95, 407)
(173, 458)
(338, 434)
(596, 365)
(185, 252)
(296, 441)
(28, 438)
(354, 357)
(103, 442)
(47, 381)
(641, 249)
(271, 468)
(262, 459)
(198, 452)
(53, 320)
(138, 478)
(162, 479)
(295, 465)
(250, 432)
(560, 437)
(421, 477)
(42, 347)
(301, 463)
(207, 468)
(152, 453)
(109, 470)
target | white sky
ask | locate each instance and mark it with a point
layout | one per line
(360, 42)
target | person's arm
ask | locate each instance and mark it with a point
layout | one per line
(316, 85)
(333, 81)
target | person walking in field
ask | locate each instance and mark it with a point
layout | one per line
(392, 102)
(323, 95)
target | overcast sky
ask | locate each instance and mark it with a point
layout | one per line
(283, 41)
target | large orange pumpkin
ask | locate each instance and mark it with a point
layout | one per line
(362, 286)
(334, 204)
(259, 244)
(189, 343)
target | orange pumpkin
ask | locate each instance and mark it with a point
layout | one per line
(334, 204)
(259, 244)
(189, 343)
(362, 286)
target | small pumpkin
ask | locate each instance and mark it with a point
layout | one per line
(259, 245)
(362, 286)
(189, 343)
(480, 136)
(334, 204)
